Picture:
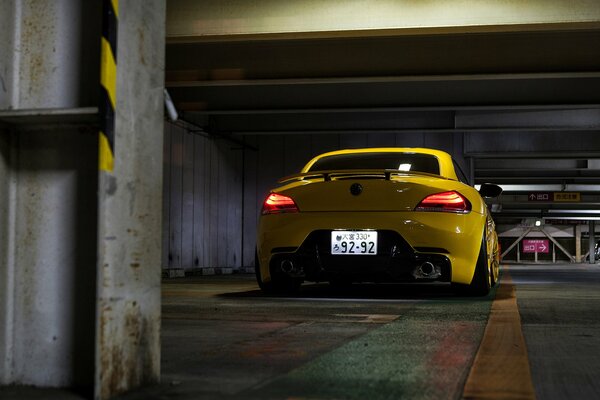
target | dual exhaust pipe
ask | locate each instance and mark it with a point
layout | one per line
(427, 270)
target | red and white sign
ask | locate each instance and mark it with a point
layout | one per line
(535, 246)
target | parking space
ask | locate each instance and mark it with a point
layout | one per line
(222, 338)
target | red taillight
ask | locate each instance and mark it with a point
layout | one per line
(278, 203)
(446, 201)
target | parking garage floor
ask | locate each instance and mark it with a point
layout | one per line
(536, 335)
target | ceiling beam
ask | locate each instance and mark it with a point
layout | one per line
(193, 20)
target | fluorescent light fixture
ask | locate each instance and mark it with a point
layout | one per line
(170, 106)
(405, 167)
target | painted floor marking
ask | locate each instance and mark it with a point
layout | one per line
(370, 318)
(501, 366)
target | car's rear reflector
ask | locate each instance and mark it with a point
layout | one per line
(277, 203)
(446, 202)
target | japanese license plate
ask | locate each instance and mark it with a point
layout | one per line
(354, 242)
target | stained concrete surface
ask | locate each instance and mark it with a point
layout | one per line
(223, 339)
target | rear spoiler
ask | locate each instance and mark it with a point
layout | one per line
(354, 173)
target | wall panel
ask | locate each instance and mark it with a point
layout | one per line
(353, 140)
(250, 200)
(166, 226)
(381, 139)
(204, 200)
(176, 185)
(410, 139)
(296, 153)
(234, 207)
(187, 199)
(324, 143)
(199, 203)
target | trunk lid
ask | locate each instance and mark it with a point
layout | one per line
(361, 194)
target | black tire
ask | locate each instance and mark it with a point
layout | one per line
(279, 283)
(480, 284)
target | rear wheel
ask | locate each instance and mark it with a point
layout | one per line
(482, 279)
(279, 283)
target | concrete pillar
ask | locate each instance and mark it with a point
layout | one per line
(48, 184)
(79, 251)
(48, 52)
(130, 209)
(592, 242)
(578, 243)
(6, 257)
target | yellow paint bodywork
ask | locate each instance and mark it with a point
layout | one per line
(383, 205)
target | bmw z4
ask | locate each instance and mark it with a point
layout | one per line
(378, 215)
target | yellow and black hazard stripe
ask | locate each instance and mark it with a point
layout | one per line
(108, 82)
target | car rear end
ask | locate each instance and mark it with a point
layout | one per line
(362, 225)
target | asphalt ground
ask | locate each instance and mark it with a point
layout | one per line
(560, 316)
(223, 339)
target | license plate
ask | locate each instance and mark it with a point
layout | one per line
(354, 242)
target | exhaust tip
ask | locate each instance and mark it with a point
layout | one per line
(427, 268)
(287, 266)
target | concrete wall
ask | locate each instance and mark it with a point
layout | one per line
(202, 215)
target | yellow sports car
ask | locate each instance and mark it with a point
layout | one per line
(378, 215)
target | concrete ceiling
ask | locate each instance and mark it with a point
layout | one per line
(531, 95)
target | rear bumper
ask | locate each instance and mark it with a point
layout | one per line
(395, 261)
(450, 241)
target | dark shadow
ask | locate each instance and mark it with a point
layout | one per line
(72, 152)
(368, 291)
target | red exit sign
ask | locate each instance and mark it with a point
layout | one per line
(535, 245)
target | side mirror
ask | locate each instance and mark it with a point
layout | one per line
(490, 190)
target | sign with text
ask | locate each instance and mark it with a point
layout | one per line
(561, 197)
(565, 222)
(540, 196)
(535, 245)
(567, 197)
